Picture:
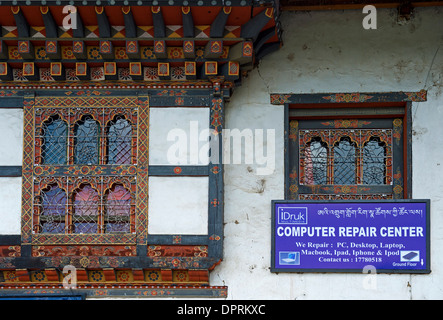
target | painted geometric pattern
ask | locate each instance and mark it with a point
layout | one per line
(172, 31)
(97, 74)
(142, 170)
(93, 53)
(84, 100)
(109, 276)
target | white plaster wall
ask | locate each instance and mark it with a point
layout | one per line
(11, 137)
(11, 144)
(331, 52)
(10, 205)
(176, 135)
(178, 205)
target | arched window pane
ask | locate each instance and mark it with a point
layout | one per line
(53, 210)
(85, 215)
(316, 157)
(118, 210)
(119, 142)
(87, 141)
(374, 164)
(344, 162)
(55, 134)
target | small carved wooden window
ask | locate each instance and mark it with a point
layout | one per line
(345, 157)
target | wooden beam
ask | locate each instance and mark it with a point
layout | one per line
(218, 25)
(21, 23)
(50, 25)
(103, 22)
(10, 171)
(158, 22)
(188, 22)
(252, 28)
(267, 49)
(263, 37)
(79, 30)
(130, 27)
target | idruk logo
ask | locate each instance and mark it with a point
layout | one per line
(292, 215)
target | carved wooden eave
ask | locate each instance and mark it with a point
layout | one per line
(134, 41)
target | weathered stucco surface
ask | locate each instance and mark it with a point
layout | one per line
(331, 52)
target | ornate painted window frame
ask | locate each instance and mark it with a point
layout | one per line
(176, 257)
(339, 100)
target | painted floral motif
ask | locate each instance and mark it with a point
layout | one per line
(416, 96)
(178, 73)
(18, 75)
(175, 53)
(45, 74)
(14, 54)
(153, 276)
(347, 97)
(120, 53)
(123, 74)
(67, 53)
(40, 53)
(151, 73)
(97, 73)
(71, 75)
(279, 98)
(94, 53)
(148, 53)
(181, 276)
(353, 123)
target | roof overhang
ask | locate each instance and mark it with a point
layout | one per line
(135, 40)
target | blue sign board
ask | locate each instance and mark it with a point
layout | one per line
(349, 236)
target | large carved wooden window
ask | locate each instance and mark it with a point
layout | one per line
(84, 170)
(346, 153)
